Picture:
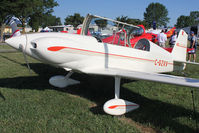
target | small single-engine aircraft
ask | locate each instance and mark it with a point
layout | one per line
(86, 53)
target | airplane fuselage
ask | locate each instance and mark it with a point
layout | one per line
(80, 52)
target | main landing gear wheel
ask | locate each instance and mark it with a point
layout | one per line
(118, 106)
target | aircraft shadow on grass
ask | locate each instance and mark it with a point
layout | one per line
(99, 89)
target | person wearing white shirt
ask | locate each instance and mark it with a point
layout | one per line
(162, 38)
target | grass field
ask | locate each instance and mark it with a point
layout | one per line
(29, 104)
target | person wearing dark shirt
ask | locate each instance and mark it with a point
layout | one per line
(193, 45)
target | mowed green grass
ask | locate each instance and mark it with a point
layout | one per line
(29, 104)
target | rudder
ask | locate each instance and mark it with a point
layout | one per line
(180, 48)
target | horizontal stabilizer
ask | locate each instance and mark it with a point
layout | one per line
(188, 62)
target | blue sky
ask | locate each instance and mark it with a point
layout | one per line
(130, 8)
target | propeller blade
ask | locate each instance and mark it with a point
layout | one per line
(25, 58)
(24, 54)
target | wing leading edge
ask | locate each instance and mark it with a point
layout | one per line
(163, 78)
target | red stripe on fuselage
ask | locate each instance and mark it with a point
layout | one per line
(180, 45)
(58, 48)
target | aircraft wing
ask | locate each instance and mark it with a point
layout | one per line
(163, 78)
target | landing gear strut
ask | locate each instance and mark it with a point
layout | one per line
(119, 106)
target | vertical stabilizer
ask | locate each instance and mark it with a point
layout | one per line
(180, 48)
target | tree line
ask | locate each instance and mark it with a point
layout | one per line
(185, 21)
(155, 13)
(32, 12)
(35, 13)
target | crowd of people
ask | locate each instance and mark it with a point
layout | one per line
(162, 39)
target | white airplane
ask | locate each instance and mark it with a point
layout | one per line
(87, 54)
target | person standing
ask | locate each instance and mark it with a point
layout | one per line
(173, 39)
(162, 38)
(193, 45)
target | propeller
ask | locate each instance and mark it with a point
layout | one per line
(24, 53)
(13, 21)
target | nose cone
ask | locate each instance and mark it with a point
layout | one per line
(16, 42)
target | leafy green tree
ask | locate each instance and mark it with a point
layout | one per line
(33, 11)
(146, 25)
(184, 21)
(74, 20)
(26, 9)
(195, 17)
(45, 20)
(50, 20)
(5, 10)
(101, 23)
(132, 21)
(135, 21)
(35, 21)
(124, 19)
(158, 13)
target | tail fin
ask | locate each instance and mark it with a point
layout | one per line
(13, 21)
(180, 48)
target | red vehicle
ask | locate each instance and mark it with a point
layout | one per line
(149, 36)
(121, 36)
(170, 32)
(135, 36)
